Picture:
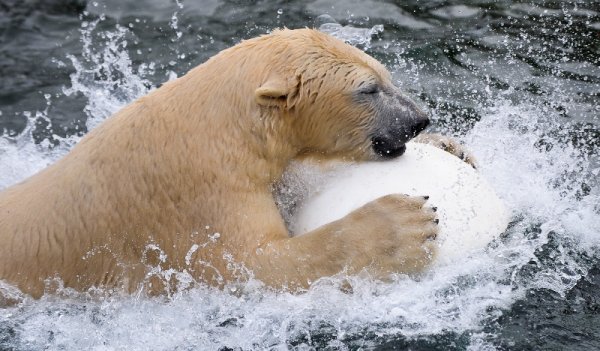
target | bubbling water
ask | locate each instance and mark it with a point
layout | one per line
(553, 227)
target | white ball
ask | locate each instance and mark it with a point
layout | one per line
(471, 214)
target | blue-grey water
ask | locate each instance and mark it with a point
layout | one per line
(517, 81)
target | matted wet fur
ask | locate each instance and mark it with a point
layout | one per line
(181, 178)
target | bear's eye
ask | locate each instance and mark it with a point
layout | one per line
(370, 89)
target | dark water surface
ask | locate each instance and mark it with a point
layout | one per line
(535, 62)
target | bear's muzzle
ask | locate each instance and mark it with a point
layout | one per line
(399, 120)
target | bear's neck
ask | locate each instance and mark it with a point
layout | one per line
(244, 149)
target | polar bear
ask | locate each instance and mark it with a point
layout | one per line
(182, 178)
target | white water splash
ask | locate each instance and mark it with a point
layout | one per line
(20, 157)
(350, 34)
(105, 74)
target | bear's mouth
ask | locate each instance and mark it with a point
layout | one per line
(387, 148)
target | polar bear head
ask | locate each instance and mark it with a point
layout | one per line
(338, 101)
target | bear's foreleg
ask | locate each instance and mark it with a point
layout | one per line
(392, 234)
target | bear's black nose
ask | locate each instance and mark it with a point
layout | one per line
(419, 126)
(392, 143)
(399, 119)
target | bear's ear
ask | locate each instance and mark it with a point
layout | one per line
(277, 92)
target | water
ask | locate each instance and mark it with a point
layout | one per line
(517, 82)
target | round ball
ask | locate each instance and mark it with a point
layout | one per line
(470, 213)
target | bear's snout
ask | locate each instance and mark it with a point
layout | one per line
(393, 144)
(400, 120)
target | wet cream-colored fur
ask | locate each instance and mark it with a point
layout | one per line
(182, 178)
